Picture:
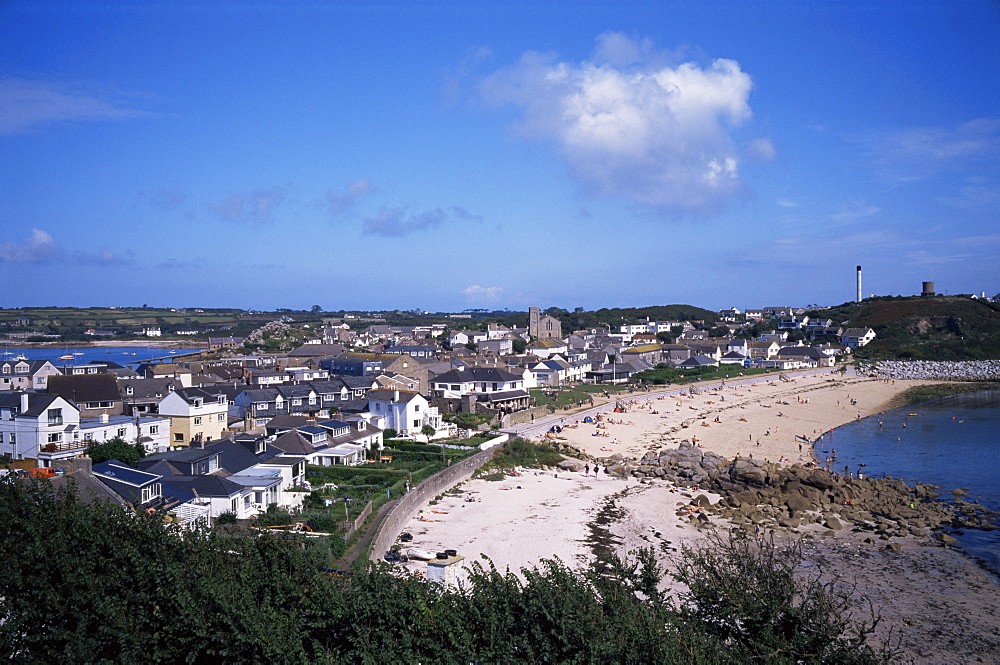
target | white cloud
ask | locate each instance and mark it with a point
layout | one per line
(926, 258)
(39, 247)
(630, 126)
(36, 248)
(762, 150)
(396, 222)
(341, 203)
(482, 294)
(974, 197)
(852, 212)
(918, 153)
(785, 203)
(26, 105)
(253, 207)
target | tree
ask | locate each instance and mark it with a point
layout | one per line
(116, 448)
(316, 309)
(210, 596)
(428, 431)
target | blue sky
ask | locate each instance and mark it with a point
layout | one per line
(447, 155)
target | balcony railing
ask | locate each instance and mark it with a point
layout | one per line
(62, 446)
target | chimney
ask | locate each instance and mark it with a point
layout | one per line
(105, 417)
(859, 298)
(24, 402)
(395, 395)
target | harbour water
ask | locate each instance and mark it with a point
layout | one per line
(127, 356)
(952, 442)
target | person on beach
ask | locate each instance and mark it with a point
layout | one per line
(586, 470)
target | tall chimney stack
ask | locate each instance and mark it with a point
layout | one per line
(859, 285)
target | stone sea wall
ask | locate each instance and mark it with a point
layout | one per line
(968, 370)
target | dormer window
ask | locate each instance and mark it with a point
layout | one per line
(129, 390)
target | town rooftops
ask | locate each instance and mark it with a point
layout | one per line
(482, 374)
(120, 472)
(392, 395)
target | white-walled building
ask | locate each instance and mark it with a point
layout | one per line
(405, 411)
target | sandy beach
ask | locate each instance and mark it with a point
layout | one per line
(571, 516)
(762, 416)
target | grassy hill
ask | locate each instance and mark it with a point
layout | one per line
(932, 328)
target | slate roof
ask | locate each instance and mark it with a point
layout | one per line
(205, 486)
(482, 374)
(234, 457)
(33, 367)
(79, 388)
(143, 389)
(121, 472)
(185, 455)
(384, 395)
(502, 395)
(38, 403)
(294, 443)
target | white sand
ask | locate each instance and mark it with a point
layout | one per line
(553, 515)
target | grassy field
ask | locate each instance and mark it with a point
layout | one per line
(571, 395)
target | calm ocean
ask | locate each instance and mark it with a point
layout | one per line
(123, 355)
(953, 442)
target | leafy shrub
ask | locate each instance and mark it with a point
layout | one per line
(228, 517)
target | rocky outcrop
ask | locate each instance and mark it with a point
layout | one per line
(797, 496)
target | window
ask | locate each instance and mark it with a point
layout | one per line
(221, 417)
(121, 432)
(129, 390)
(178, 437)
(416, 407)
(456, 387)
(154, 429)
(416, 423)
(88, 436)
(55, 417)
(54, 437)
(197, 420)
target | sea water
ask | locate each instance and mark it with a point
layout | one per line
(123, 355)
(952, 442)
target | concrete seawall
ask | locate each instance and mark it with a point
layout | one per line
(419, 496)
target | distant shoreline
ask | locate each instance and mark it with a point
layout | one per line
(159, 344)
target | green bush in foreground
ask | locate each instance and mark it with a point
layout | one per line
(98, 583)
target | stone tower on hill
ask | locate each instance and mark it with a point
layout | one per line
(543, 326)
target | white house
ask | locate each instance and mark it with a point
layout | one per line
(48, 428)
(405, 411)
(464, 380)
(854, 338)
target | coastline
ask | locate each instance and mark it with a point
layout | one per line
(158, 344)
(936, 602)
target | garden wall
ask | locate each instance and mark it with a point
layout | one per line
(525, 416)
